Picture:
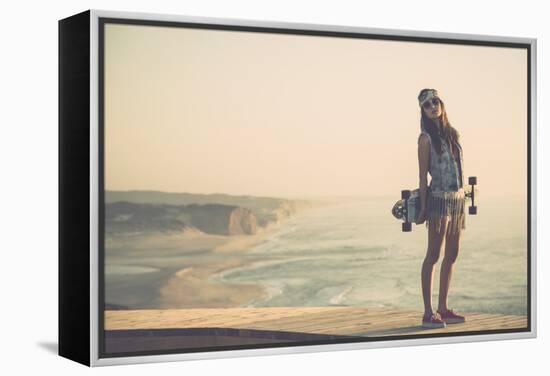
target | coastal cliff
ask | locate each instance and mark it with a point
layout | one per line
(127, 217)
(149, 211)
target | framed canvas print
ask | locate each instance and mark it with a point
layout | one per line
(233, 187)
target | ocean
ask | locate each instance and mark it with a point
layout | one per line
(354, 253)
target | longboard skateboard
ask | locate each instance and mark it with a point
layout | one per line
(408, 207)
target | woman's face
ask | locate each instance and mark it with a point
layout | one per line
(432, 108)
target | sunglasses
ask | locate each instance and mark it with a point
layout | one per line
(431, 102)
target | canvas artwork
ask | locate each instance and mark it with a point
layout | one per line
(279, 187)
(249, 179)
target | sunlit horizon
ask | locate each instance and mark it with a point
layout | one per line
(275, 115)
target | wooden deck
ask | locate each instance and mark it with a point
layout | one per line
(346, 321)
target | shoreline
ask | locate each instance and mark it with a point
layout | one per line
(186, 264)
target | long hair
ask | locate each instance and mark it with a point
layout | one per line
(445, 132)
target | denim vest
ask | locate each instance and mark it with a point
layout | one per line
(446, 174)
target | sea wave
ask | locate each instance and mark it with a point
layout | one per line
(341, 297)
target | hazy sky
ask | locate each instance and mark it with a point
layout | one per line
(244, 113)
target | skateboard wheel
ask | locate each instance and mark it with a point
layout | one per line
(472, 180)
(406, 226)
(405, 194)
(472, 210)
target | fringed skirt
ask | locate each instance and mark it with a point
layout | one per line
(449, 205)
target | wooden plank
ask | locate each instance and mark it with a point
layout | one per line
(315, 323)
(265, 318)
(204, 317)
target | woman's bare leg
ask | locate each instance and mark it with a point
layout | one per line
(452, 244)
(435, 242)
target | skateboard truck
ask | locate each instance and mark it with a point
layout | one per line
(406, 209)
(406, 226)
(472, 181)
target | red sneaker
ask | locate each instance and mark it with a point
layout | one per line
(450, 317)
(433, 321)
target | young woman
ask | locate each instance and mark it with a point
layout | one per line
(442, 202)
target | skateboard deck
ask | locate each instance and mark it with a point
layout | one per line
(408, 207)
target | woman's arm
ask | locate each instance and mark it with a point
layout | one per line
(423, 164)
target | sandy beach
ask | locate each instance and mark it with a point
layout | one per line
(173, 271)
